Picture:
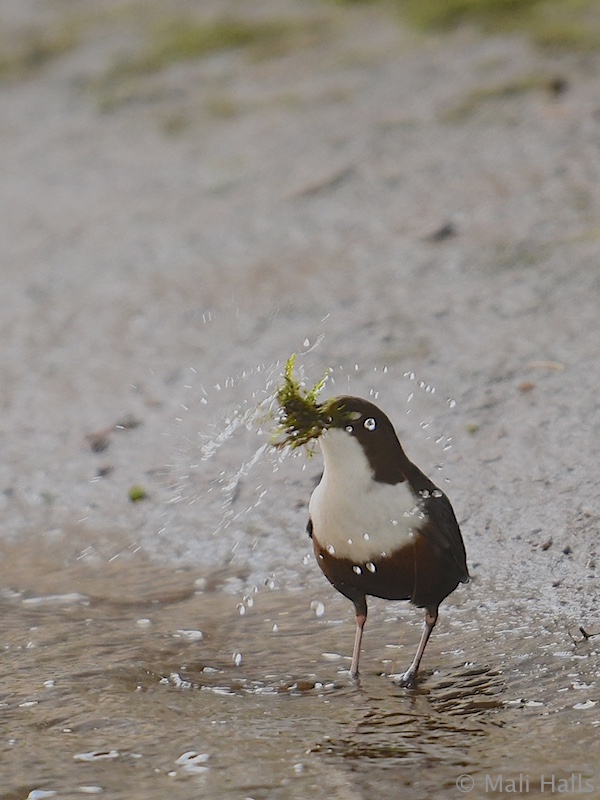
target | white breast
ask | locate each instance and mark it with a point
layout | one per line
(354, 516)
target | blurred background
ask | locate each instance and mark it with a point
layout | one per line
(405, 192)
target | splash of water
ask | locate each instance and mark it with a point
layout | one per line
(238, 484)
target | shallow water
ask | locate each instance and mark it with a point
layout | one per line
(135, 680)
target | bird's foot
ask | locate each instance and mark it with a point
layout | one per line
(407, 679)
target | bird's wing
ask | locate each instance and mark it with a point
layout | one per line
(441, 528)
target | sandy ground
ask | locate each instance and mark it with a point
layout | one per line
(193, 227)
(418, 214)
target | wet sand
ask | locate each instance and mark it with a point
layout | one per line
(375, 202)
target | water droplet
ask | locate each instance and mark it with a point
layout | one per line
(305, 559)
(425, 493)
(585, 705)
(306, 343)
(349, 541)
(318, 607)
(96, 755)
(366, 537)
(330, 549)
(275, 627)
(241, 609)
(451, 402)
(190, 635)
(270, 582)
(237, 659)
(357, 569)
(349, 428)
(370, 566)
(248, 600)
(410, 397)
(437, 493)
(192, 762)
(394, 522)
(370, 424)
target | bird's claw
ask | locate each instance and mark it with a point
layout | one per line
(407, 679)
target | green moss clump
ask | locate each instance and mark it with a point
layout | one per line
(301, 417)
(137, 494)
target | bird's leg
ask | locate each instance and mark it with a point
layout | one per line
(408, 679)
(361, 618)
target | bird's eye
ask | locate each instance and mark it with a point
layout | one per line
(370, 424)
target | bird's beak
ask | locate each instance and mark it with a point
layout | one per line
(325, 418)
(336, 416)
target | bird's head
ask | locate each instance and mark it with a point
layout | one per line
(357, 430)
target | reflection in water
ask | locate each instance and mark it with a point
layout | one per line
(422, 724)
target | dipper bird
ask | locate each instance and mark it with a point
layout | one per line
(379, 526)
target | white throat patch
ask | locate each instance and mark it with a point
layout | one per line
(353, 515)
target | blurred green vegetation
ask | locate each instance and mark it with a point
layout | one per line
(177, 39)
(551, 24)
(168, 38)
(28, 52)
(552, 85)
(172, 38)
